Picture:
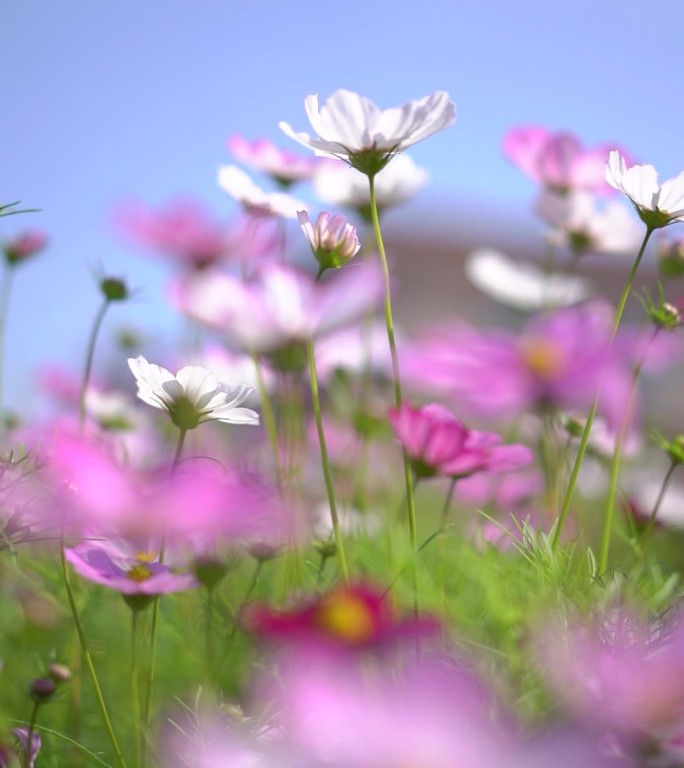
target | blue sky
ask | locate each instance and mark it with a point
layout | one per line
(134, 99)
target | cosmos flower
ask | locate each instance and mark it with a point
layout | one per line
(263, 155)
(579, 225)
(558, 160)
(279, 306)
(335, 183)
(187, 233)
(253, 199)
(192, 396)
(439, 444)
(333, 239)
(657, 204)
(522, 286)
(351, 127)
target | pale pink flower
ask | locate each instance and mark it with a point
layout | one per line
(657, 204)
(351, 127)
(280, 305)
(24, 246)
(263, 155)
(333, 239)
(336, 183)
(253, 199)
(582, 227)
(557, 160)
(189, 234)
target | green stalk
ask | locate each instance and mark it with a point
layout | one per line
(269, 418)
(615, 463)
(135, 693)
(325, 462)
(97, 324)
(661, 495)
(26, 762)
(567, 500)
(5, 292)
(89, 664)
(408, 475)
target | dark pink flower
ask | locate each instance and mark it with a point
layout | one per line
(355, 616)
(558, 160)
(439, 444)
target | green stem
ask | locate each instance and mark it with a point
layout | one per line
(135, 692)
(269, 418)
(389, 321)
(29, 735)
(325, 463)
(90, 353)
(661, 495)
(212, 680)
(89, 664)
(567, 501)
(5, 292)
(615, 462)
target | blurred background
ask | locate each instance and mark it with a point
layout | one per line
(108, 103)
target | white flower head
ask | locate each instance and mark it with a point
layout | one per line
(338, 184)
(578, 224)
(253, 199)
(333, 239)
(522, 286)
(351, 127)
(657, 204)
(192, 396)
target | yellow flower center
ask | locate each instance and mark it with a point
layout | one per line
(346, 616)
(139, 572)
(542, 357)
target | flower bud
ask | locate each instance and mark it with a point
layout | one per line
(59, 673)
(42, 689)
(23, 247)
(114, 289)
(333, 239)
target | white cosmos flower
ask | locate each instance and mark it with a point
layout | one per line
(657, 204)
(338, 184)
(192, 396)
(351, 126)
(253, 199)
(522, 286)
(578, 224)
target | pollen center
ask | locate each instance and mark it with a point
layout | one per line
(348, 617)
(542, 358)
(139, 572)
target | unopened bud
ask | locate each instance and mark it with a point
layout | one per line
(42, 689)
(114, 289)
(59, 673)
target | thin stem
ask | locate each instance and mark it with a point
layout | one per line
(269, 418)
(567, 500)
(89, 664)
(135, 692)
(620, 438)
(28, 749)
(408, 475)
(212, 680)
(661, 495)
(90, 353)
(325, 463)
(5, 292)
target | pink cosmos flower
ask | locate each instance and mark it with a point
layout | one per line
(280, 305)
(350, 617)
(263, 155)
(557, 361)
(189, 234)
(141, 575)
(439, 444)
(253, 199)
(558, 160)
(333, 240)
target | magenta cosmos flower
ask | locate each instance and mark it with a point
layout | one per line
(558, 160)
(439, 444)
(354, 616)
(188, 234)
(24, 246)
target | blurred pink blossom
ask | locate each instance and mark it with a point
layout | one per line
(263, 155)
(558, 160)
